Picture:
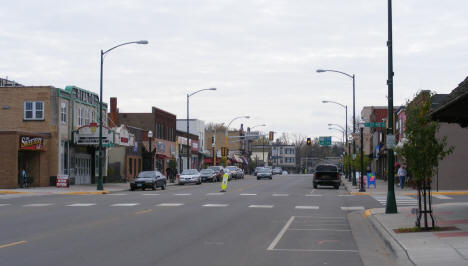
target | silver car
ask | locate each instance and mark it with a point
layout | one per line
(190, 176)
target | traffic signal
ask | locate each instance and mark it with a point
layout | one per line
(212, 139)
(271, 136)
(224, 151)
(309, 141)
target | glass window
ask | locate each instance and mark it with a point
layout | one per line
(63, 113)
(87, 117)
(33, 110)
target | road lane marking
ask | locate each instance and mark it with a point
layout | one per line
(261, 206)
(152, 194)
(442, 197)
(214, 194)
(13, 244)
(143, 211)
(280, 234)
(307, 207)
(170, 204)
(125, 204)
(182, 194)
(318, 229)
(352, 208)
(215, 205)
(5, 204)
(280, 195)
(81, 204)
(315, 250)
(38, 205)
(248, 194)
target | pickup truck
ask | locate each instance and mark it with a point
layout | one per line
(326, 174)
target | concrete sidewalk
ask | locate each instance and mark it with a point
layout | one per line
(426, 248)
(382, 187)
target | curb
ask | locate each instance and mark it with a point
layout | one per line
(12, 192)
(397, 249)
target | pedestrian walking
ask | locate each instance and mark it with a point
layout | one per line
(23, 178)
(402, 175)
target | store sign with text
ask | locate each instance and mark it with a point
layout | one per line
(89, 135)
(32, 143)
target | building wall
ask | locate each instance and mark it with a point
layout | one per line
(196, 127)
(453, 170)
(9, 160)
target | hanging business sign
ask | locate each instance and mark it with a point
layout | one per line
(32, 143)
(89, 135)
(122, 137)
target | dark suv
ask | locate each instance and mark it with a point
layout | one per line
(149, 179)
(326, 174)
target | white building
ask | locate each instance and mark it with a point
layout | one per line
(196, 127)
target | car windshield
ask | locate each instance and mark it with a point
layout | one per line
(190, 172)
(265, 170)
(206, 171)
(147, 174)
(231, 167)
(326, 168)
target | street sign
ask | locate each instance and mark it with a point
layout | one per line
(325, 141)
(390, 143)
(374, 124)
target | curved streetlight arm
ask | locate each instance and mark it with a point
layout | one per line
(227, 128)
(338, 129)
(210, 89)
(262, 125)
(342, 105)
(342, 128)
(336, 71)
(122, 44)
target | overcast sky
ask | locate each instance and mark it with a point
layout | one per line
(260, 54)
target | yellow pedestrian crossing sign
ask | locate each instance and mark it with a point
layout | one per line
(224, 182)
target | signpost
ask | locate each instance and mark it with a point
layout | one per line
(325, 141)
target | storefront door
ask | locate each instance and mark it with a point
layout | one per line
(83, 169)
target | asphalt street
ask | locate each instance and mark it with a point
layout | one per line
(283, 221)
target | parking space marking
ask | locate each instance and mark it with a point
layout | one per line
(124, 204)
(170, 204)
(38, 205)
(215, 205)
(248, 194)
(81, 204)
(307, 207)
(261, 206)
(280, 195)
(352, 208)
(280, 234)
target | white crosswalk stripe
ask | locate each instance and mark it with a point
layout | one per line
(38, 205)
(124, 204)
(182, 194)
(313, 195)
(248, 194)
(441, 197)
(215, 205)
(400, 200)
(152, 194)
(215, 194)
(117, 194)
(280, 195)
(261, 206)
(81, 204)
(307, 207)
(5, 204)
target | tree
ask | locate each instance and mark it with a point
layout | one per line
(423, 150)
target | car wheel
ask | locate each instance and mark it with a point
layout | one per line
(163, 187)
(315, 186)
(258, 178)
(337, 186)
(271, 177)
(153, 187)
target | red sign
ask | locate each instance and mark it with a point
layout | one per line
(123, 140)
(62, 181)
(32, 143)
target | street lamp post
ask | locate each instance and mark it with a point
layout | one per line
(226, 143)
(348, 175)
(391, 206)
(188, 127)
(150, 139)
(340, 130)
(361, 127)
(99, 183)
(354, 112)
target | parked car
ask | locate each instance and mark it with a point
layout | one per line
(190, 176)
(277, 170)
(326, 174)
(229, 172)
(241, 173)
(264, 172)
(208, 175)
(217, 170)
(149, 179)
